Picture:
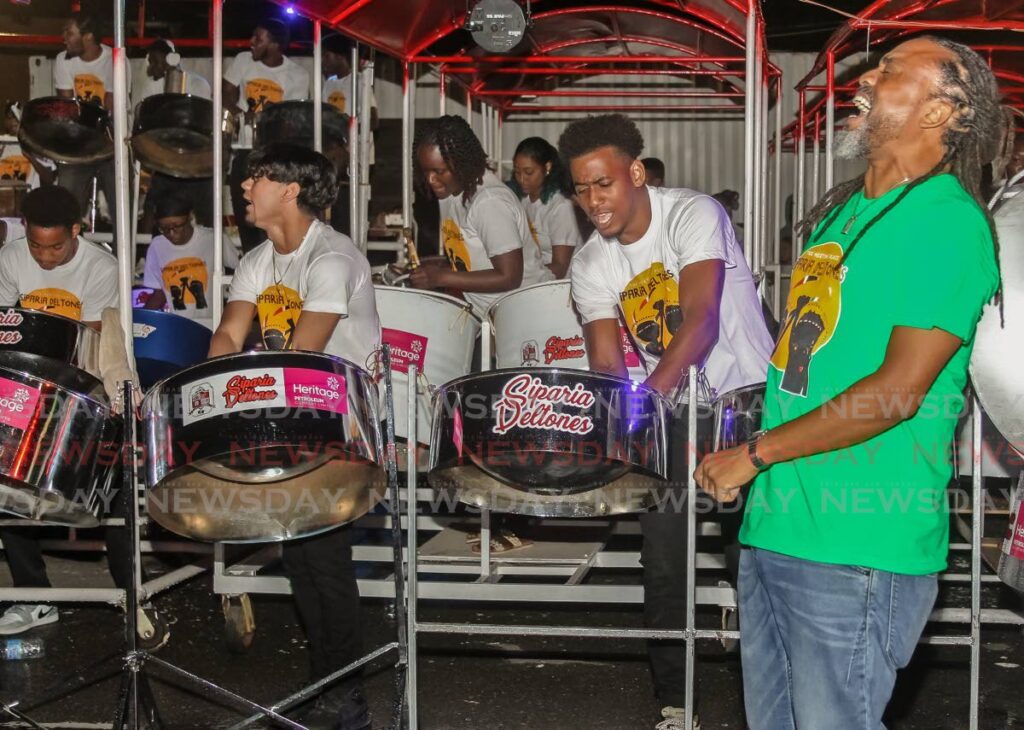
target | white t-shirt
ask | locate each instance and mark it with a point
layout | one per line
(494, 223)
(259, 85)
(89, 80)
(15, 165)
(15, 230)
(336, 93)
(184, 273)
(195, 85)
(326, 273)
(80, 289)
(552, 223)
(639, 282)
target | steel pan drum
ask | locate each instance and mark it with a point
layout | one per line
(550, 442)
(67, 130)
(52, 336)
(292, 122)
(165, 343)
(537, 325)
(173, 134)
(262, 447)
(434, 332)
(52, 422)
(738, 415)
(998, 349)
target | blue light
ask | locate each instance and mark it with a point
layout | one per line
(289, 10)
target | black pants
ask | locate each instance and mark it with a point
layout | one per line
(323, 580)
(250, 236)
(663, 557)
(25, 558)
(78, 180)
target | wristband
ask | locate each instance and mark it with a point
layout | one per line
(752, 451)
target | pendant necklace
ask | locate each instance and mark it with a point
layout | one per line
(857, 212)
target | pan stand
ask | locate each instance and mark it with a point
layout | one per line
(135, 704)
(399, 709)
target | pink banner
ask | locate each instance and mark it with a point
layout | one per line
(406, 349)
(305, 388)
(17, 403)
(1016, 536)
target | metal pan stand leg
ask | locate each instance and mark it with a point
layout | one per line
(412, 543)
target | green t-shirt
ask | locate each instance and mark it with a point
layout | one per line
(928, 263)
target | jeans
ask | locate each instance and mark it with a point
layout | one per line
(326, 594)
(821, 644)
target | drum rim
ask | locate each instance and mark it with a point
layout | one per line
(40, 312)
(151, 312)
(461, 303)
(508, 294)
(511, 372)
(741, 389)
(160, 385)
(83, 396)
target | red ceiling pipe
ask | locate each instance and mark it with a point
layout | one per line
(559, 71)
(577, 59)
(600, 93)
(514, 108)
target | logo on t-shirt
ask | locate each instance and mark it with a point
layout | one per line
(455, 246)
(89, 88)
(186, 280)
(650, 305)
(812, 313)
(53, 301)
(337, 100)
(261, 92)
(278, 308)
(15, 167)
(533, 232)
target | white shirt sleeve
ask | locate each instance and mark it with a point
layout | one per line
(593, 297)
(500, 222)
(244, 287)
(329, 284)
(62, 80)
(236, 69)
(153, 275)
(562, 225)
(8, 286)
(102, 291)
(700, 231)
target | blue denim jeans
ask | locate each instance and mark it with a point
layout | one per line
(821, 644)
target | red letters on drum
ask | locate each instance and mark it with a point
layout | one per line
(241, 389)
(526, 402)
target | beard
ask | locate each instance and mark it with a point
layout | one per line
(857, 144)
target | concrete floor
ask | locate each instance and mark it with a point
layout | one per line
(465, 682)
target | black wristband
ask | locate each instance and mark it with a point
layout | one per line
(752, 451)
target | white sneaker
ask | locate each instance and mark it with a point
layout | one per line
(22, 617)
(675, 719)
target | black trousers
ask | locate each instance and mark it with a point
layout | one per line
(78, 180)
(663, 557)
(323, 581)
(250, 236)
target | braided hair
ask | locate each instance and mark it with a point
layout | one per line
(976, 135)
(459, 147)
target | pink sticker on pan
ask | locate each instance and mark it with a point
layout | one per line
(17, 403)
(306, 388)
(1015, 538)
(632, 359)
(406, 349)
(457, 432)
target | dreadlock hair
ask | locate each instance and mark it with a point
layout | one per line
(543, 153)
(975, 136)
(459, 147)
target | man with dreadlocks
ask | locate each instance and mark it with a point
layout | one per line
(486, 238)
(846, 523)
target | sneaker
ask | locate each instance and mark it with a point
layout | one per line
(674, 718)
(339, 709)
(22, 617)
(152, 629)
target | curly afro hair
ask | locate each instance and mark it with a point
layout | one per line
(459, 148)
(608, 130)
(289, 163)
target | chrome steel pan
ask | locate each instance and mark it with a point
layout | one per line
(262, 446)
(53, 420)
(58, 338)
(999, 345)
(738, 415)
(173, 134)
(67, 130)
(550, 442)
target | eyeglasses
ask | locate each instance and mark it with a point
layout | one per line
(168, 230)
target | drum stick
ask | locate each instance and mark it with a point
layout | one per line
(410, 249)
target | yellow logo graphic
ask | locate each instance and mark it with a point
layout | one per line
(261, 92)
(278, 308)
(650, 305)
(186, 280)
(15, 167)
(337, 100)
(89, 88)
(812, 313)
(53, 301)
(455, 246)
(533, 232)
